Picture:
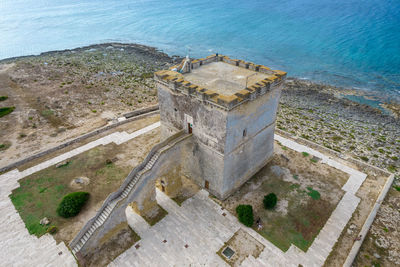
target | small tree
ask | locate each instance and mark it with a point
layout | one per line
(245, 214)
(72, 204)
(270, 201)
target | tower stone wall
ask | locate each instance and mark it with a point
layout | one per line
(232, 119)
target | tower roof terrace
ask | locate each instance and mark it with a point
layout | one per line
(221, 81)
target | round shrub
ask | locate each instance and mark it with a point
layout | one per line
(245, 214)
(72, 204)
(270, 201)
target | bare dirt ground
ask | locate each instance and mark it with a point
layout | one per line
(122, 238)
(61, 95)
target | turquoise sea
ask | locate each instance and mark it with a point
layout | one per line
(344, 42)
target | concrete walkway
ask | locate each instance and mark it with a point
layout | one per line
(194, 232)
(17, 246)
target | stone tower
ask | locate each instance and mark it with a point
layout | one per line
(230, 108)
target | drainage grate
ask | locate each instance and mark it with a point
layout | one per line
(228, 252)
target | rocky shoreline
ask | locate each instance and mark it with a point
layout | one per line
(62, 94)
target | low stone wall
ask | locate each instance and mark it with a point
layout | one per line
(368, 222)
(360, 165)
(131, 116)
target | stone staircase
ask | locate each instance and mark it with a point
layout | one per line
(112, 201)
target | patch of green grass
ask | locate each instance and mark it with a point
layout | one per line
(314, 194)
(5, 145)
(294, 186)
(41, 190)
(364, 158)
(396, 187)
(47, 113)
(40, 193)
(3, 97)
(303, 220)
(305, 154)
(391, 168)
(147, 75)
(337, 138)
(5, 111)
(313, 160)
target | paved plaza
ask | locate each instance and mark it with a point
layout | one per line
(200, 224)
(190, 235)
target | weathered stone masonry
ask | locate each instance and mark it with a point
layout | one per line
(232, 134)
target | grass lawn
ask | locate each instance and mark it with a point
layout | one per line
(6, 110)
(40, 193)
(306, 214)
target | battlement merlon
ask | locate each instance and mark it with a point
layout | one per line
(221, 81)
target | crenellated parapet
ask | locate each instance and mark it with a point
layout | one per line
(176, 82)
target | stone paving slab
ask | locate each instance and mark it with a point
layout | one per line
(17, 246)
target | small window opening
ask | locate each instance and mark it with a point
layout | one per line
(244, 133)
(175, 109)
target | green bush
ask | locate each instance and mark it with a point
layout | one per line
(245, 214)
(270, 201)
(72, 204)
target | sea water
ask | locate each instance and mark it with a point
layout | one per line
(350, 43)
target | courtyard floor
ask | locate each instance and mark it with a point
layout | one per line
(193, 233)
(190, 235)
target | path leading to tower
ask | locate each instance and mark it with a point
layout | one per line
(17, 246)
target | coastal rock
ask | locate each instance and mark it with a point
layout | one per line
(376, 255)
(44, 221)
(382, 242)
(79, 182)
